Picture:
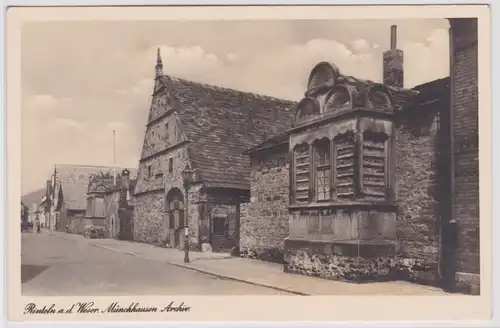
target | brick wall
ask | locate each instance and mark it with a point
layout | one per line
(111, 202)
(264, 221)
(465, 124)
(417, 194)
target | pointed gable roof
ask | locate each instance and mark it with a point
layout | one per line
(221, 123)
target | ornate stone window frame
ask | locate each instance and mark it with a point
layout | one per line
(328, 71)
(301, 114)
(330, 97)
(383, 90)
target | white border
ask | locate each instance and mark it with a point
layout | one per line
(495, 36)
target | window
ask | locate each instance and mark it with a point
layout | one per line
(99, 207)
(301, 158)
(374, 179)
(322, 166)
(345, 151)
(90, 210)
(219, 226)
(170, 165)
(166, 131)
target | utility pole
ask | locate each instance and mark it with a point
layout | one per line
(114, 158)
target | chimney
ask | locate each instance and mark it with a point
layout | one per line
(393, 62)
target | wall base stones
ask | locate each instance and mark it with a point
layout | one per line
(275, 255)
(468, 283)
(339, 261)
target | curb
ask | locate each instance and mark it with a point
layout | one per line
(220, 276)
(214, 274)
(189, 267)
(113, 250)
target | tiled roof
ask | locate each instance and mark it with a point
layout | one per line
(222, 123)
(400, 96)
(433, 90)
(74, 181)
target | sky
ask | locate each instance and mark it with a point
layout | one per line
(82, 80)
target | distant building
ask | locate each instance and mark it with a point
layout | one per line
(69, 187)
(207, 128)
(110, 204)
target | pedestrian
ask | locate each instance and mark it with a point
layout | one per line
(37, 224)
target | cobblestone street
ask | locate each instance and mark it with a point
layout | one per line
(53, 266)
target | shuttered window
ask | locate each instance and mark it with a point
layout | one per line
(345, 153)
(302, 171)
(374, 161)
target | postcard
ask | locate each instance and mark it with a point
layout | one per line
(259, 163)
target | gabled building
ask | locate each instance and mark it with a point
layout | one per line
(69, 192)
(206, 128)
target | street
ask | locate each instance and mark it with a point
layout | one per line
(53, 266)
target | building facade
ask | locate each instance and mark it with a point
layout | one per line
(109, 205)
(69, 187)
(207, 129)
(369, 194)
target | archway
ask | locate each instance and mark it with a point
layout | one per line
(174, 208)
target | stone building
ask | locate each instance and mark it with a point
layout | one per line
(109, 205)
(206, 128)
(68, 187)
(359, 187)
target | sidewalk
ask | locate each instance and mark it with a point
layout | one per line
(255, 272)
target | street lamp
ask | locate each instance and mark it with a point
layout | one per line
(187, 179)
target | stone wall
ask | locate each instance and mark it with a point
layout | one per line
(264, 220)
(148, 216)
(112, 219)
(417, 197)
(150, 197)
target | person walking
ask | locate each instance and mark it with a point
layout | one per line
(37, 224)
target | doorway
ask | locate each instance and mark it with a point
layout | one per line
(175, 218)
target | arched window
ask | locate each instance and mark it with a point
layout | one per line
(308, 107)
(379, 97)
(338, 98)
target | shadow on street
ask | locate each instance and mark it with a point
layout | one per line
(29, 272)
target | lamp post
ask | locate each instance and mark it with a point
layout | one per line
(187, 178)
